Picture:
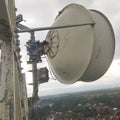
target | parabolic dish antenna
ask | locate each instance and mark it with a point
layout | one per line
(81, 53)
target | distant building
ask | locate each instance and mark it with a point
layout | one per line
(51, 117)
(79, 105)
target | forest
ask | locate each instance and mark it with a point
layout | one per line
(77, 106)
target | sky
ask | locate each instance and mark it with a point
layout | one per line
(41, 13)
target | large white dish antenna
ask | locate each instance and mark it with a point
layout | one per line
(74, 53)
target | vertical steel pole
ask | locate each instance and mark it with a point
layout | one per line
(34, 69)
(35, 84)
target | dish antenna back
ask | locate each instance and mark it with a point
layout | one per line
(81, 53)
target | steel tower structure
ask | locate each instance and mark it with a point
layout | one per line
(13, 98)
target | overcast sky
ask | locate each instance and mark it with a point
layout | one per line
(40, 13)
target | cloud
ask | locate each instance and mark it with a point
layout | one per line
(38, 13)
